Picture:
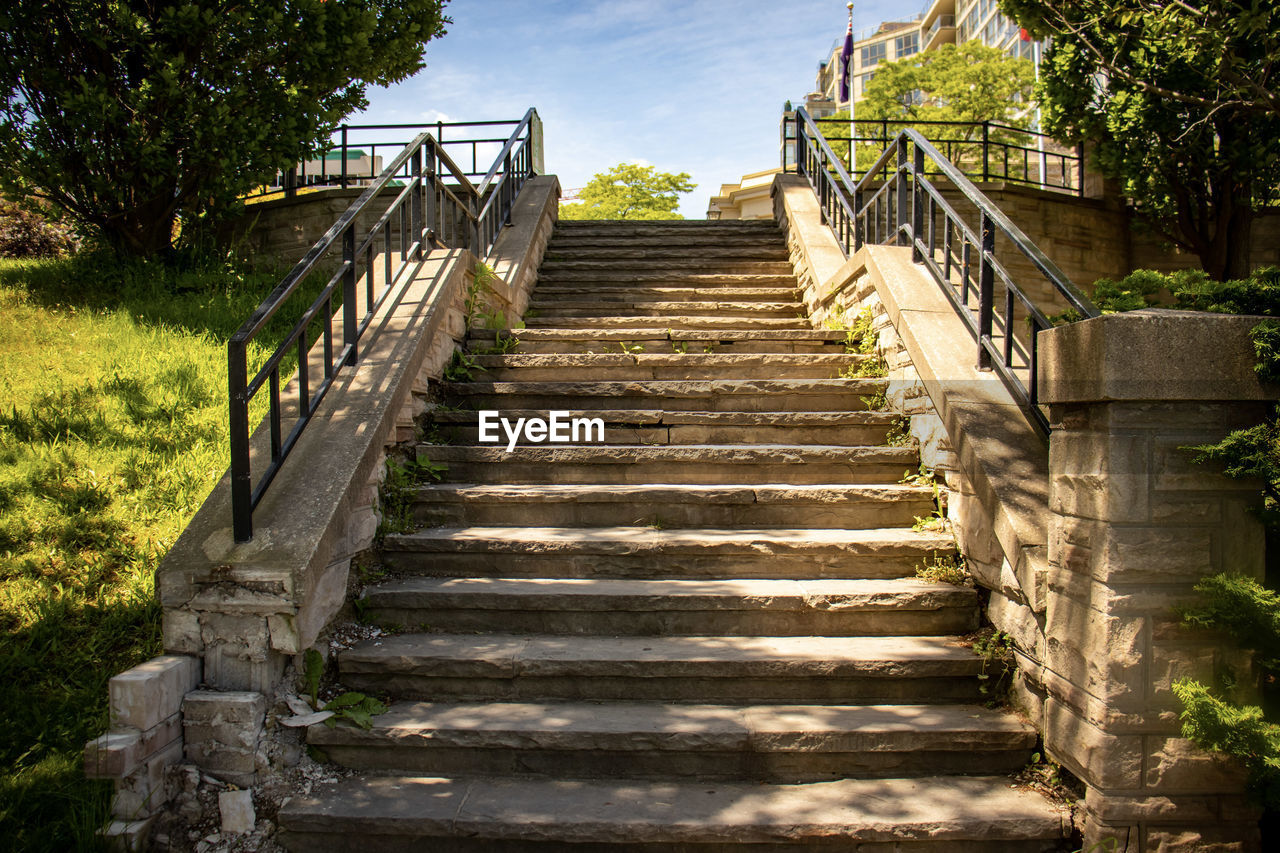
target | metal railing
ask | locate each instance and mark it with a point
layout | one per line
(897, 201)
(351, 158)
(938, 23)
(436, 204)
(983, 151)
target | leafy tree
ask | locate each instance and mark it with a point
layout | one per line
(1161, 91)
(630, 191)
(969, 83)
(137, 115)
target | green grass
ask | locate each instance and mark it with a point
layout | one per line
(113, 429)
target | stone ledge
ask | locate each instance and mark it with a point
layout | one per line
(1128, 357)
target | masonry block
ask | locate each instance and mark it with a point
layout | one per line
(119, 752)
(222, 731)
(144, 791)
(150, 692)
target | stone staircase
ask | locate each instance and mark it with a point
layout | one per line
(704, 633)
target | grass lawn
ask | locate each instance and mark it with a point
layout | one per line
(113, 429)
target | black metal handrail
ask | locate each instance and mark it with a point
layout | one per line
(437, 204)
(896, 202)
(355, 142)
(997, 151)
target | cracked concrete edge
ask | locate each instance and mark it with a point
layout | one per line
(301, 549)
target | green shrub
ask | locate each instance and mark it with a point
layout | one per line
(25, 233)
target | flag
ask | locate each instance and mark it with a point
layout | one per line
(846, 62)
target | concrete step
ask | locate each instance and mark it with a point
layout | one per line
(733, 395)
(654, 426)
(614, 277)
(620, 365)
(666, 294)
(640, 552)
(713, 669)
(665, 340)
(593, 308)
(647, 249)
(614, 607)
(671, 506)
(659, 322)
(702, 464)
(691, 262)
(677, 227)
(649, 740)
(399, 814)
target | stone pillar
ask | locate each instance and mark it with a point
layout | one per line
(1134, 524)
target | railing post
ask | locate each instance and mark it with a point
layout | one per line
(901, 190)
(416, 210)
(801, 149)
(857, 218)
(432, 214)
(1079, 169)
(344, 157)
(986, 291)
(473, 208)
(291, 182)
(349, 321)
(508, 191)
(536, 161)
(986, 150)
(241, 474)
(917, 205)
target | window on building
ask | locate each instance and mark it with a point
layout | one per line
(906, 45)
(863, 81)
(873, 54)
(914, 98)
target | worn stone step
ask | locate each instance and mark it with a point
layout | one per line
(713, 669)
(647, 249)
(733, 395)
(743, 607)
(654, 426)
(664, 340)
(689, 263)
(399, 814)
(625, 365)
(671, 506)
(639, 552)
(664, 278)
(676, 323)
(618, 227)
(556, 293)
(636, 740)
(612, 310)
(704, 464)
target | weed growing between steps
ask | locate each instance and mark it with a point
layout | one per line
(998, 667)
(945, 568)
(113, 430)
(861, 338)
(395, 495)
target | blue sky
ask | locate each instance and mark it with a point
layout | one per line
(687, 85)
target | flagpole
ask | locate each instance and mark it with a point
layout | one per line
(853, 153)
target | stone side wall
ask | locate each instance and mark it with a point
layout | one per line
(234, 614)
(1134, 525)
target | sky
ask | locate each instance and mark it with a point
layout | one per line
(691, 86)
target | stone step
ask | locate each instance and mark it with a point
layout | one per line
(556, 293)
(639, 740)
(671, 506)
(670, 323)
(648, 249)
(663, 278)
(663, 366)
(653, 426)
(702, 464)
(618, 227)
(712, 669)
(733, 395)
(614, 607)
(611, 310)
(686, 264)
(406, 814)
(665, 340)
(640, 552)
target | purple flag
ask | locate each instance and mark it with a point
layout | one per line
(846, 60)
